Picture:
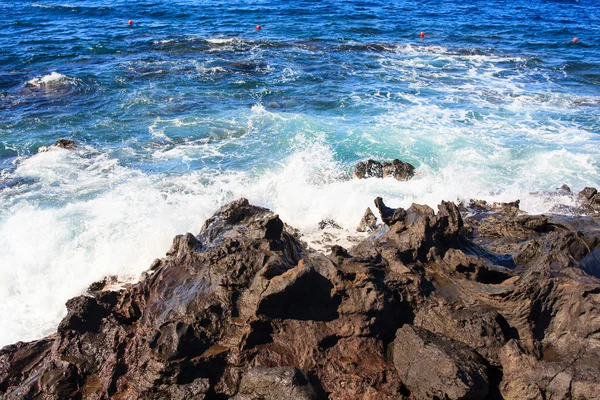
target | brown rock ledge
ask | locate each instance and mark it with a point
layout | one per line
(497, 305)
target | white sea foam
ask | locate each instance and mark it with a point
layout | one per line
(51, 80)
(211, 70)
(482, 136)
(117, 221)
(112, 220)
(222, 40)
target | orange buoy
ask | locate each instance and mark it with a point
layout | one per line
(422, 35)
(130, 22)
(258, 27)
(575, 40)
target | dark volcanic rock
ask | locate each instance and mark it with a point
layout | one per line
(480, 327)
(374, 169)
(432, 366)
(389, 216)
(401, 171)
(589, 199)
(591, 263)
(328, 223)
(368, 222)
(61, 144)
(509, 209)
(564, 189)
(275, 384)
(368, 169)
(588, 193)
(497, 305)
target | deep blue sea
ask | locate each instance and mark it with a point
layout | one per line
(190, 107)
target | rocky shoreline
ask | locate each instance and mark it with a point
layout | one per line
(473, 301)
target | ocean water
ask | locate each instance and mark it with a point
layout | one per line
(191, 107)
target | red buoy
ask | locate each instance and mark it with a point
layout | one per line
(258, 27)
(422, 35)
(575, 40)
(130, 22)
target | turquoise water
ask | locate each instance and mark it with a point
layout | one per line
(191, 107)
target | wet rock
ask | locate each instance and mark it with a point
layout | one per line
(338, 252)
(374, 169)
(389, 216)
(432, 366)
(368, 222)
(17, 358)
(292, 231)
(15, 183)
(183, 245)
(328, 223)
(85, 314)
(479, 205)
(417, 234)
(591, 263)
(61, 144)
(509, 209)
(401, 171)
(492, 303)
(368, 169)
(101, 285)
(588, 193)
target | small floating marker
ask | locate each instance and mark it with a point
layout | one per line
(575, 40)
(258, 27)
(130, 22)
(422, 35)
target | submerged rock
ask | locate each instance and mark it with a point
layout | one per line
(497, 305)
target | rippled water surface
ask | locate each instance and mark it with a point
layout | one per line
(191, 106)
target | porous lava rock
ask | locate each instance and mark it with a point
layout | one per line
(496, 305)
(368, 222)
(434, 367)
(374, 169)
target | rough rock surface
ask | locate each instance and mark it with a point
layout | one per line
(374, 169)
(590, 199)
(275, 384)
(499, 305)
(368, 222)
(434, 366)
(61, 143)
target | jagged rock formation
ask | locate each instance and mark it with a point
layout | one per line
(589, 198)
(374, 169)
(368, 222)
(431, 305)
